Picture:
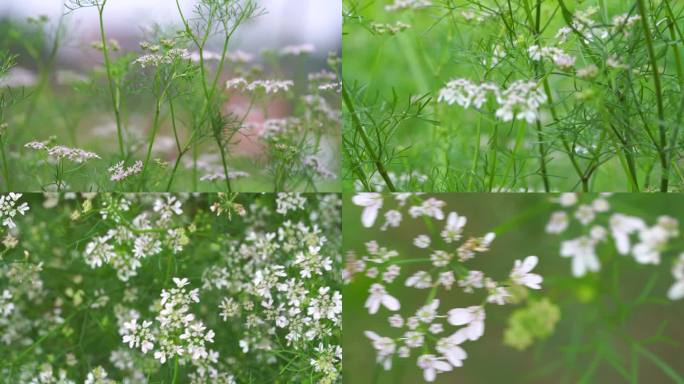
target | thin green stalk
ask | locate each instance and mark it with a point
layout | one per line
(153, 135)
(195, 173)
(666, 368)
(674, 31)
(173, 172)
(178, 145)
(624, 154)
(358, 127)
(113, 89)
(173, 124)
(494, 155)
(5, 166)
(564, 140)
(181, 153)
(519, 138)
(540, 134)
(224, 163)
(356, 168)
(45, 70)
(664, 178)
(476, 156)
(542, 157)
(175, 371)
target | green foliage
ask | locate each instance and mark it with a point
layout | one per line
(76, 269)
(166, 107)
(609, 77)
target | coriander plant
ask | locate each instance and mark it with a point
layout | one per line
(520, 95)
(185, 109)
(441, 288)
(132, 288)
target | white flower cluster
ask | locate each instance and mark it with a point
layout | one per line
(631, 235)
(10, 208)
(521, 100)
(273, 277)
(317, 165)
(286, 202)
(267, 86)
(278, 289)
(238, 56)
(477, 15)
(621, 23)
(676, 291)
(422, 331)
(400, 5)
(297, 50)
(166, 58)
(6, 305)
(59, 152)
(222, 176)
(98, 376)
(118, 172)
(406, 179)
(559, 57)
(125, 244)
(324, 81)
(47, 375)
(177, 333)
(584, 24)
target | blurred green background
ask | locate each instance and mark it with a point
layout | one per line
(600, 315)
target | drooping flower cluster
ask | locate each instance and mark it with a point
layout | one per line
(520, 100)
(421, 333)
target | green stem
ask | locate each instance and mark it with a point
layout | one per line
(175, 371)
(476, 156)
(113, 90)
(564, 140)
(664, 159)
(540, 134)
(178, 145)
(5, 167)
(495, 150)
(153, 135)
(358, 127)
(356, 168)
(224, 163)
